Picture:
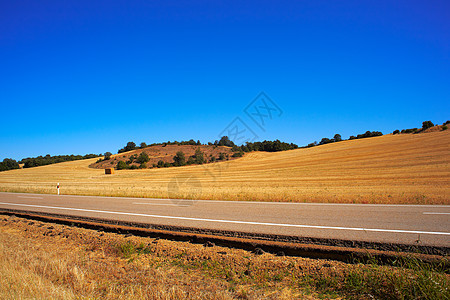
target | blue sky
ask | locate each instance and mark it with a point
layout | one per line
(82, 77)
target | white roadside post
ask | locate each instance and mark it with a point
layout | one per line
(58, 188)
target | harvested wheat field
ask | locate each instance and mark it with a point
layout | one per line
(407, 168)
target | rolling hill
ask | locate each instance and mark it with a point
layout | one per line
(405, 168)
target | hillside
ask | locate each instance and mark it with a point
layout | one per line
(165, 153)
(405, 168)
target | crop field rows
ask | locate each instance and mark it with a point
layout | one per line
(410, 168)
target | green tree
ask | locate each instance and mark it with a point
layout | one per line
(143, 145)
(427, 124)
(325, 141)
(237, 154)
(199, 157)
(130, 146)
(337, 137)
(121, 165)
(9, 164)
(143, 158)
(108, 155)
(179, 159)
(225, 141)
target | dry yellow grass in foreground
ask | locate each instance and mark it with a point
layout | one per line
(41, 260)
(410, 168)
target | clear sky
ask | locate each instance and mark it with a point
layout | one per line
(81, 77)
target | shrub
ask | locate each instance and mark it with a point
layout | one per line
(121, 165)
(107, 155)
(410, 130)
(221, 156)
(444, 127)
(235, 148)
(427, 124)
(143, 166)
(143, 158)
(160, 164)
(270, 146)
(325, 141)
(132, 158)
(130, 146)
(191, 160)
(396, 131)
(238, 154)
(225, 141)
(9, 164)
(179, 159)
(199, 157)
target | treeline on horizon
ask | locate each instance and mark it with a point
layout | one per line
(31, 162)
(425, 126)
(199, 157)
(268, 146)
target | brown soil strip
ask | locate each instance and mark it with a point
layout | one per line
(285, 246)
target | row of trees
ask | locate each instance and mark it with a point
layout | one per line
(142, 160)
(9, 164)
(132, 145)
(30, 162)
(367, 134)
(337, 138)
(180, 158)
(269, 146)
(425, 125)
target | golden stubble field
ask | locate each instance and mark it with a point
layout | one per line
(408, 168)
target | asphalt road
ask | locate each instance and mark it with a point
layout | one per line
(428, 224)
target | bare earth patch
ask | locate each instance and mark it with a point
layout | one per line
(166, 154)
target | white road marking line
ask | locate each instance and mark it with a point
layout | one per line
(247, 202)
(167, 204)
(234, 222)
(435, 213)
(29, 197)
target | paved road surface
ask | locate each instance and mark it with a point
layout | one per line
(363, 222)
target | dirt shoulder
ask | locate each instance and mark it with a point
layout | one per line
(49, 260)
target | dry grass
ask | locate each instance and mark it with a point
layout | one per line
(409, 168)
(50, 261)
